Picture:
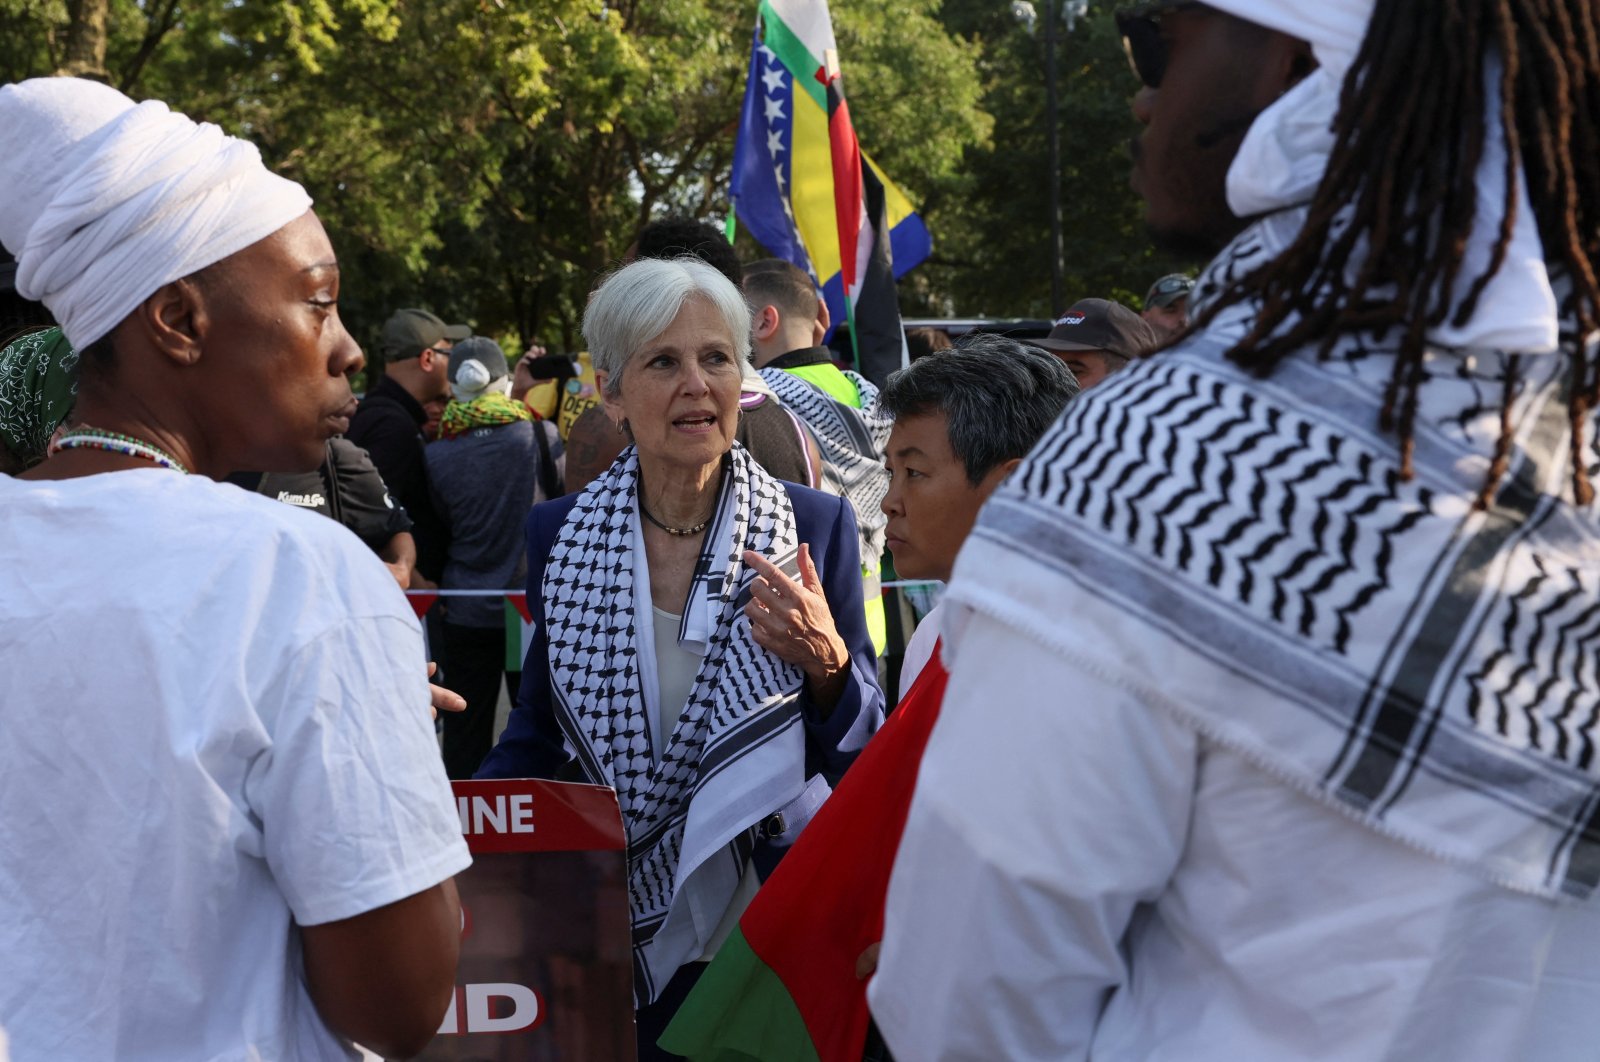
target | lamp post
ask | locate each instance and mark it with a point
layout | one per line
(1067, 12)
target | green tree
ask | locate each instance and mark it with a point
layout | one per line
(489, 158)
(992, 249)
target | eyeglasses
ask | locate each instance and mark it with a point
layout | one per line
(1140, 27)
(1171, 286)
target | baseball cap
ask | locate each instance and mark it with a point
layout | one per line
(408, 333)
(476, 364)
(1100, 324)
(1168, 290)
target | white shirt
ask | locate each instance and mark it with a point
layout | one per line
(676, 668)
(1084, 877)
(919, 650)
(215, 722)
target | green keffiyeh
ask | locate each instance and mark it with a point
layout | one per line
(38, 384)
(486, 411)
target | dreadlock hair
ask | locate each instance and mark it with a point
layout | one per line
(1400, 183)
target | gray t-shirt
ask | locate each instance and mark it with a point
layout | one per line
(484, 482)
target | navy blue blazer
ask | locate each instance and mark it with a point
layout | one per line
(533, 746)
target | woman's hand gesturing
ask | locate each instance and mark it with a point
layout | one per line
(792, 621)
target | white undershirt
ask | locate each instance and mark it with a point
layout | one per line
(676, 668)
(919, 650)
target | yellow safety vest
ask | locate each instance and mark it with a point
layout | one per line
(839, 386)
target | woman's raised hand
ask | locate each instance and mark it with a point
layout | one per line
(792, 621)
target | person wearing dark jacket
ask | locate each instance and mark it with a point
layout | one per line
(485, 470)
(388, 424)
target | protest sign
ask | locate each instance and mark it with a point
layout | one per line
(546, 958)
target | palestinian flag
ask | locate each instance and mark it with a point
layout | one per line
(810, 195)
(783, 987)
(519, 630)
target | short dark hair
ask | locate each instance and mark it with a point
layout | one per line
(782, 284)
(675, 237)
(920, 342)
(998, 396)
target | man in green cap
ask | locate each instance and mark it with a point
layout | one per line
(389, 423)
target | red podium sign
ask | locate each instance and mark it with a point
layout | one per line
(546, 957)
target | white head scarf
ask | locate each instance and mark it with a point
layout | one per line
(1283, 156)
(107, 200)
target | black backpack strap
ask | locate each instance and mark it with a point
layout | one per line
(549, 482)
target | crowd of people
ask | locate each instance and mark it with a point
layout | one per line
(1257, 719)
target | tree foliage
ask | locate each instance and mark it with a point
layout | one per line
(489, 158)
(993, 252)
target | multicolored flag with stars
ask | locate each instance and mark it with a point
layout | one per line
(806, 191)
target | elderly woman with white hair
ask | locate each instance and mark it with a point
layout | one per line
(700, 642)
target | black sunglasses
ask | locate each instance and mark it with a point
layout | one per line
(1140, 27)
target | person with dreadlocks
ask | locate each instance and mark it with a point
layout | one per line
(1297, 619)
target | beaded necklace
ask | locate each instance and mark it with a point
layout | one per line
(679, 531)
(87, 438)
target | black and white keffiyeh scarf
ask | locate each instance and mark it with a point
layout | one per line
(852, 442)
(740, 731)
(1428, 668)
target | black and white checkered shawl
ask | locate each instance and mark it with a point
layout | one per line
(852, 442)
(743, 697)
(1430, 669)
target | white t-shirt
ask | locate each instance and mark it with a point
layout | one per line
(919, 650)
(215, 721)
(1084, 877)
(676, 670)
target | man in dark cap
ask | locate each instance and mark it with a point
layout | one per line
(388, 425)
(1096, 337)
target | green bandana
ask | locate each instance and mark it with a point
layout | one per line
(486, 411)
(38, 384)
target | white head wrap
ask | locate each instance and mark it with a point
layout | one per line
(1283, 156)
(107, 200)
